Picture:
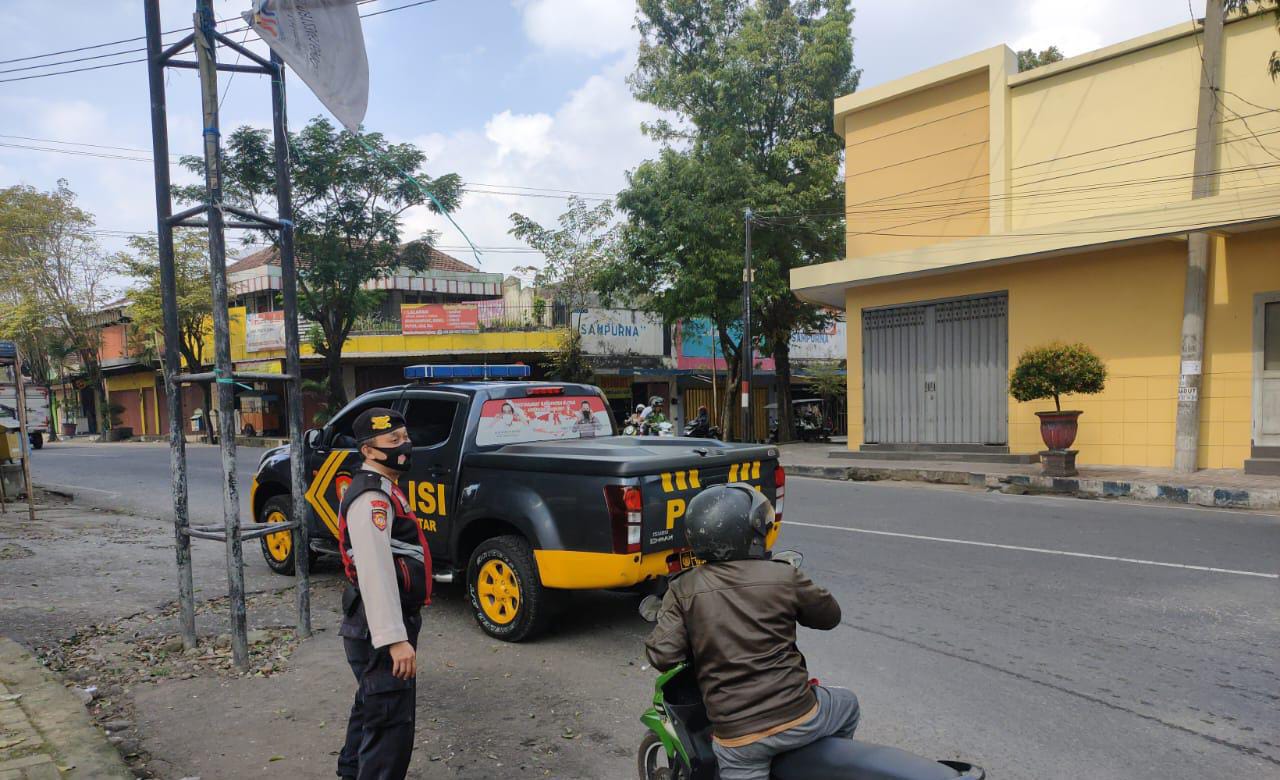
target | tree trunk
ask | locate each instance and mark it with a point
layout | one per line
(731, 404)
(336, 397)
(782, 370)
(94, 369)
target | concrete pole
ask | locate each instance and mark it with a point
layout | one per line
(1204, 182)
(205, 44)
(24, 443)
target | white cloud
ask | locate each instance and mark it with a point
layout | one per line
(592, 28)
(585, 145)
(527, 135)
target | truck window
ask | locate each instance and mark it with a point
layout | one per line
(430, 420)
(516, 420)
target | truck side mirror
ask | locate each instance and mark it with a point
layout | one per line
(311, 438)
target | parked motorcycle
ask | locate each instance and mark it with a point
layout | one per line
(678, 745)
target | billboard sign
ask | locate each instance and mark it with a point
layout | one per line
(264, 331)
(419, 318)
(829, 343)
(699, 347)
(619, 332)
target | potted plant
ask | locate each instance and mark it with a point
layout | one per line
(118, 431)
(1052, 371)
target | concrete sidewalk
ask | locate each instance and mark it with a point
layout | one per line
(1230, 488)
(45, 731)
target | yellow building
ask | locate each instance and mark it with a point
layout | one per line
(989, 211)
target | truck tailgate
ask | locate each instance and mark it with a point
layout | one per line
(667, 493)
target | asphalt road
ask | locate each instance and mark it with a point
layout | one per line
(135, 476)
(1040, 637)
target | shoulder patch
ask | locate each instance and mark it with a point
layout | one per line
(379, 516)
(378, 503)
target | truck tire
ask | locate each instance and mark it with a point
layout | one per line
(37, 439)
(505, 589)
(277, 549)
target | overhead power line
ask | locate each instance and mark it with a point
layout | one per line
(509, 190)
(143, 49)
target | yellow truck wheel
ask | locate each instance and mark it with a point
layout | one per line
(506, 593)
(277, 549)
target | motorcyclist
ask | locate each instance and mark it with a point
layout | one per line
(735, 618)
(700, 426)
(653, 415)
(635, 420)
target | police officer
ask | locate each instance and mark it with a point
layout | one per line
(389, 568)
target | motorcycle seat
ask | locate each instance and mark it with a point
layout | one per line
(849, 759)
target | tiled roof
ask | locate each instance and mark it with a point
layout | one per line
(271, 256)
(266, 256)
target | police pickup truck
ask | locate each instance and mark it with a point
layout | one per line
(520, 487)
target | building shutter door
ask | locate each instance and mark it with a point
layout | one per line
(937, 373)
(893, 369)
(972, 359)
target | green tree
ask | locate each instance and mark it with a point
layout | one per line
(194, 300)
(1055, 370)
(683, 255)
(750, 83)
(568, 363)
(1030, 58)
(348, 205)
(586, 240)
(47, 251)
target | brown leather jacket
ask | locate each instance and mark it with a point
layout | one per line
(737, 622)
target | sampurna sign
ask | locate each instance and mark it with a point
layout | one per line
(830, 343)
(619, 332)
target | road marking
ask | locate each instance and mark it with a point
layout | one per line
(1017, 548)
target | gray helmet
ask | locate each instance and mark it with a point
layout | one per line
(728, 523)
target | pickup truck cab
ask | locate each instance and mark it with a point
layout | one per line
(520, 488)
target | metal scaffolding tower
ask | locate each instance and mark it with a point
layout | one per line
(212, 214)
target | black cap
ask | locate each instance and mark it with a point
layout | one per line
(375, 422)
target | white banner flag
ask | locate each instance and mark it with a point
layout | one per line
(323, 43)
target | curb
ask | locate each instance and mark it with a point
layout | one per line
(1082, 487)
(67, 731)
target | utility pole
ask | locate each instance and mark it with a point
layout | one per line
(24, 438)
(1204, 183)
(748, 354)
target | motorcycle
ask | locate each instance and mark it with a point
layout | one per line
(678, 745)
(697, 430)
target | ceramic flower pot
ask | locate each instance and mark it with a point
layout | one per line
(1058, 429)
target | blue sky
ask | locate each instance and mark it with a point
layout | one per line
(518, 93)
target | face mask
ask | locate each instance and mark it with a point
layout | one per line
(397, 458)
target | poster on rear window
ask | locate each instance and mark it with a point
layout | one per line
(517, 420)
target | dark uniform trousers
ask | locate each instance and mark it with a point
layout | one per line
(380, 731)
